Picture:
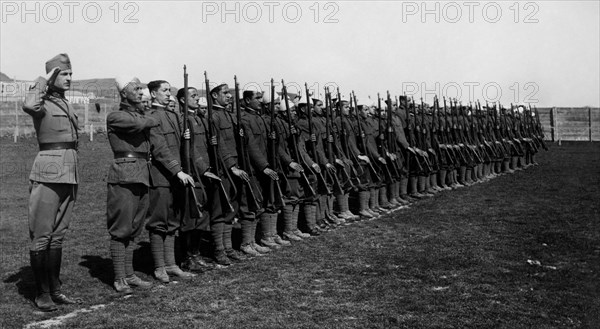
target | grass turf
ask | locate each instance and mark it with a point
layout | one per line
(522, 250)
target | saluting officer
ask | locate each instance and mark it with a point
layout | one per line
(53, 178)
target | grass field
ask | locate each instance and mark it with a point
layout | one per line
(521, 251)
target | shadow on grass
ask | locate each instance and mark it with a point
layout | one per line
(99, 268)
(102, 268)
(23, 279)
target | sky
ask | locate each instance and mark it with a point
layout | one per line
(546, 53)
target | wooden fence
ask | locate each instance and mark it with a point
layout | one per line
(560, 123)
(571, 123)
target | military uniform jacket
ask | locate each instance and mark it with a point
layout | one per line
(224, 123)
(398, 127)
(55, 121)
(170, 127)
(285, 147)
(351, 133)
(198, 144)
(133, 137)
(256, 130)
(371, 132)
(306, 138)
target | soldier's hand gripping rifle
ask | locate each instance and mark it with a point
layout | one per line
(250, 185)
(337, 187)
(275, 194)
(322, 184)
(216, 162)
(310, 193)
(193, 207)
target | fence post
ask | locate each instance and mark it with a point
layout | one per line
(85, 115)
(552, 123)
(590, 122)
(16, 121)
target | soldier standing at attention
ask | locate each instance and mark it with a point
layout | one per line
(165, 205)
(194, 224)
(53, 179)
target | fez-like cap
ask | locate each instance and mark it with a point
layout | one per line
(203, 102)
(146, 94)
(123, 81)
(61, 61)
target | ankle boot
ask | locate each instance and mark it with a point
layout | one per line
(363, 201)
(43, 301)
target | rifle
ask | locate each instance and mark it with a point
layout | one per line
(275, 194)
(252, 200)
(320, 179)
(452, 157)
(383, 150)
(307, 187)
(337, 187)
(374, 175)
(195, 209)
(390, 137)
(216, 165)
(358, 171)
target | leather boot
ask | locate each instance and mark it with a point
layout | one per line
(53, 267)
(43, 301)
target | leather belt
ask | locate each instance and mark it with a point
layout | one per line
(139, 155)
(58, 146)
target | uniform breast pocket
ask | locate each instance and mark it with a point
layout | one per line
(60, 122)
(226, 131)
(170, 137)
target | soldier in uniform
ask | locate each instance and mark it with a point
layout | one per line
(133, 138)
(293, 192)
(225, 124)
(258, 135)
(53, 178)
(165, 191)
(194, 221)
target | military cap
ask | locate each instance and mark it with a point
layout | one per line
(61, 61)
(123, 81)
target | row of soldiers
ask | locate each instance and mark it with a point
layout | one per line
(283, 168)
(266, 160)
